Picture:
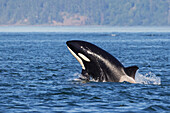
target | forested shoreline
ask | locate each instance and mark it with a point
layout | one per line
(85, 12)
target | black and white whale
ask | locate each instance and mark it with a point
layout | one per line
(100, 65)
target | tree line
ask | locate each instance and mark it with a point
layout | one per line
(91, 12)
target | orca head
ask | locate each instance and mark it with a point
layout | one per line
(79, 49)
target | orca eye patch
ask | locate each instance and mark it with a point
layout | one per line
(84, 57)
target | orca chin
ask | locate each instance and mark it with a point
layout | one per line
(98, 64)
(78, 58)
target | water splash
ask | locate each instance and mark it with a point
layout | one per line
(148, 78)
(83, 79)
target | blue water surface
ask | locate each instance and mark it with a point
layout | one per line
(37, 73)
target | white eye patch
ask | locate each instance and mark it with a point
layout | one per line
(84, 57)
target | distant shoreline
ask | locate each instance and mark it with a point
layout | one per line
(41, 25)
(85, 29)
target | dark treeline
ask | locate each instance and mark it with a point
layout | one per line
(85, 12)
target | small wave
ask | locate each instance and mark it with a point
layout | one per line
(113, 35)
(148, 78)
(83, 78)
(79, 76)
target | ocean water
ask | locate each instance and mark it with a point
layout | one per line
(38, 73)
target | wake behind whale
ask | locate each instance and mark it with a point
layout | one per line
(148, 78)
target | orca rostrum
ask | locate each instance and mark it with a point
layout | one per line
(100, 65)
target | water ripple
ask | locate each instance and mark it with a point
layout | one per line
(37, 74)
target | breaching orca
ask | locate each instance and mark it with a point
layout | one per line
(99, 64)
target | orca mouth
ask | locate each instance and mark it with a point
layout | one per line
(73, 46)
(68, 43)
(72, 43)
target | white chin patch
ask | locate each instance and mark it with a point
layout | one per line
(78, 59)
(84, 57)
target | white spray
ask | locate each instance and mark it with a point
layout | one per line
(148, 78)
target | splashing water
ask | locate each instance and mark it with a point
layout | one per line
(148, 78)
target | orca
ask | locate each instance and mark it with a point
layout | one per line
(100, 65)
